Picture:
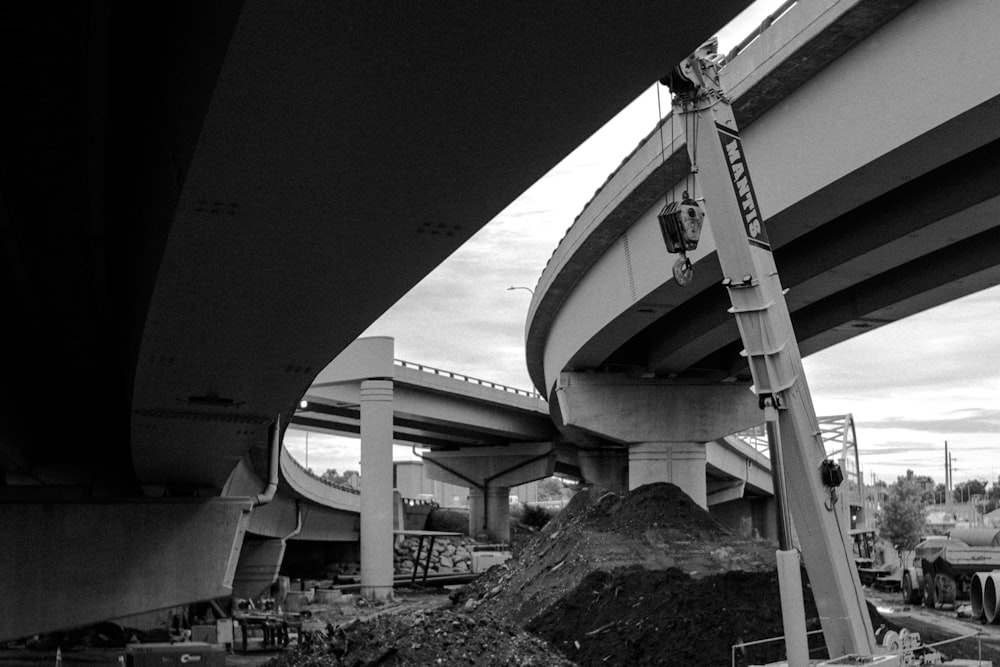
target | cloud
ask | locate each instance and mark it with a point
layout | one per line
(946, 347)
(966, 420)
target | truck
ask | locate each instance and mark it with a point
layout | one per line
(939, 569)
(877, 560)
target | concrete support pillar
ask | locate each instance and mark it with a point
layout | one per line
(376, 489)
(477, 512)
(497, 469)
(606, 468)
(680, 463)
(258, 566)
(498, 513)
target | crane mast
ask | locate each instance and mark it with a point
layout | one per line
(805, 479)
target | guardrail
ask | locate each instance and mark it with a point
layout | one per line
(756, 437)
(467, 378)
(341, 487)
(764, 25)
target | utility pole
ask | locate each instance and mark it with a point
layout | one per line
(947, 472)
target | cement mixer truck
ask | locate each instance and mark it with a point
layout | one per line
(940, 569)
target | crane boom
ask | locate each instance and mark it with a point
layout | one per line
(758, 303)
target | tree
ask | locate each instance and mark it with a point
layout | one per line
(555, 488)
(331, 475)
(965, 490)
(940, 495)
(903, 517)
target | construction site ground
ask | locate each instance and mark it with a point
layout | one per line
(639, 578)
(938, 624)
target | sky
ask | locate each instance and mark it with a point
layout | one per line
(910, 385)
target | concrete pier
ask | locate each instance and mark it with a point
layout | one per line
(376, 489)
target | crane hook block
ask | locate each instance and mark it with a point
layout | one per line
(831, 473)
(681, 224)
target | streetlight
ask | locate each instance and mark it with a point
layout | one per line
(530, 291)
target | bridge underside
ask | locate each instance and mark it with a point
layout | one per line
(190, 215)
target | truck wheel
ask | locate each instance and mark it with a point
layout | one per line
(929, 591)
(944, 589)
(910, 595)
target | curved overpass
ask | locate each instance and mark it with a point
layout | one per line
(203, 204)
(874, 144)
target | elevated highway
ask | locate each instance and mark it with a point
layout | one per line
(872, 133)
(203, 204)
(490, 437)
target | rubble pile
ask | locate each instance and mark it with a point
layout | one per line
(452, 555)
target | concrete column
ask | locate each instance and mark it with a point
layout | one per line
(680, 463)
(498, 513)
(477, 512)
(376, 489)
(606, 468)
(258, 566)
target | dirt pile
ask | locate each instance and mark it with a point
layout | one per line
(441, 637)
(657, 527)
(639, 578)
(632, 616)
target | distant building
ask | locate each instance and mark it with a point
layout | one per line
(924, 482)
(940, 522)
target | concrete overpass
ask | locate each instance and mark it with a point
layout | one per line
(477, 434)
(480, 435)
(203, 204)
(489, 437)
(872, 133)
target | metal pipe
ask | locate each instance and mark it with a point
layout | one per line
(298, 523)
(267, 495)
(991, 600)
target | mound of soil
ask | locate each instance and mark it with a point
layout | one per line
(654, 506)
(656, 526)
(642, 578)
(632, 616)
(440, 637)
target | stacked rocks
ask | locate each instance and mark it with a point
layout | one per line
(449, 556)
